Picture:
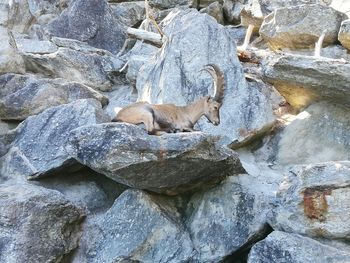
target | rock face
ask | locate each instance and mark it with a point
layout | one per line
(38, 148)
(30, 217)
(162, 239)
(24, 95)
(313, 201)
(225, 218)
(215, 10)
(283, 247)
(174, 76)
(303, 80)
(89, 21)
(344, 34)
(301, 26)
(127, 154)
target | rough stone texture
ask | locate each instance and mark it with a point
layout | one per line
(35, 46)
(137, 228)
(303, 80)
(5, 138)
(291, 248)
(215, 10)
(318, 134)
(232, 11)
(314, 201)
(36, 224)
(170, 163)
(227, 217)
(24, 95)
(344, 34)
(87, 66)
(38, 148)
(301, 26)
(341, 6)
(89, 21)
(174, 76)
(167, 4)
(130, 13)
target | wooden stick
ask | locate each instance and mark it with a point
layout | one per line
(150, 37)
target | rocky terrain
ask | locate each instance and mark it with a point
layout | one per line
(271, 183)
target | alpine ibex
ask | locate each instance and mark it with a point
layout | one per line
(162, 118)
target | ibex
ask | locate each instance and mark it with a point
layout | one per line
(162, 118)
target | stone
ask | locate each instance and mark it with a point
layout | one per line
(301, 26)
(91, 22)
(162, 239)
(215, 10)
(6, 137)
(35, 46)
(174, 75)
(344, 34)
(171, 163)
(232, 10)
(167, 4)
(317, 134)
(292, 248)
(313, 200)
(303, 80)
(130, 13)
(227, 217)
(118, 99)
(341, 6)
(22, 96)
(38, 148)
(36, 224)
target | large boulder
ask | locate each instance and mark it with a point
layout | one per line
(130, 13)
(344, 34)
(170, 163)
(228, 217)
(24, 95)
(89, 21)
(317, 134)
(36, 224)
(162, 237)
(38, 148)
(313, 201)
(301, 26)
(292, 248)
(304, 79)
(174, 75)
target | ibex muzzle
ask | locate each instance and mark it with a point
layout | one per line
(160, 118)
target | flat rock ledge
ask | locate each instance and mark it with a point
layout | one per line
(170, 164)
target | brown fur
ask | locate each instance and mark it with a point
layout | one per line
(160, 118)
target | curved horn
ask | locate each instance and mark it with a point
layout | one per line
(219, 81)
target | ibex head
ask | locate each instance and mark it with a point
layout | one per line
(213, 104)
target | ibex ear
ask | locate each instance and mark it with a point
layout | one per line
(208, 98)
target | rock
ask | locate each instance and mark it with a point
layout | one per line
(91, 67)
(232, 10)
(341, 6)
(167, 4)
(38, 147)
(35, 46)
(313, 201)
(5, 138)
(174, 76)
(301, 26)
(91, 22)
(318, 134)
(118, 99)
(303, 80)
(215, 10)
(130, 13)
(344, 34)
(36, 224)
(228, 217)
(292, 248)
(162, 239)
(170, 163)
(24, 95)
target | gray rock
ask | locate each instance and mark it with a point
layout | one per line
(232, 10)
(301, 26)
(167, 4)
(36, 224)
(130, 13)
(227, 217)
(38, 148)
(174, 76)
(313, 201)
(170, 163)
(303, 80)
(162, 239)
(24, 95)
(344, 34)
(281, 247)
(35, 46)
(91, 22)
(318, 134)
(6, 137)
(215, 10)
(118, 99)
(341, 6)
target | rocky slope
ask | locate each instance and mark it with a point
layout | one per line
(271, 183)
